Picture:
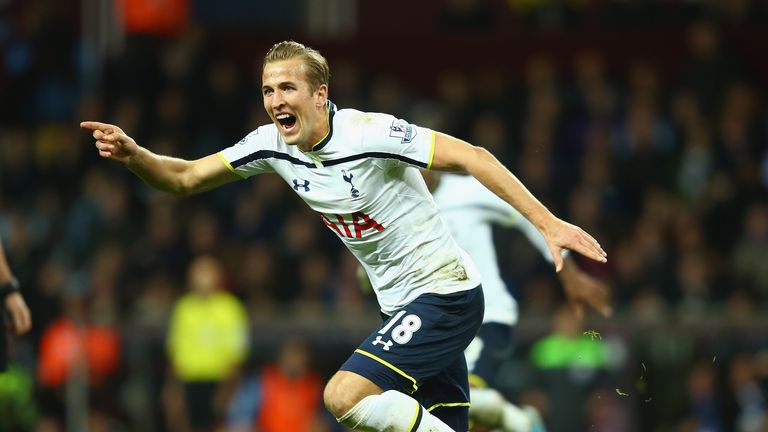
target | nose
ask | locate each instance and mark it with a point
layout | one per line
(277, 99)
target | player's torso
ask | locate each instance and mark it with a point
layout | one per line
(364, 183)
(355, 192)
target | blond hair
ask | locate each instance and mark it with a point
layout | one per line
(318, 72)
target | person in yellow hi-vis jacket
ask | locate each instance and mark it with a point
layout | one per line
(207, 340)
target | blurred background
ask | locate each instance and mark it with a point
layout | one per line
(642, 121)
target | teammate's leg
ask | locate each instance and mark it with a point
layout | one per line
(486, 353)
(359, 404)
(490, 409)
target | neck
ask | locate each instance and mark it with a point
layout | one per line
(320, 130)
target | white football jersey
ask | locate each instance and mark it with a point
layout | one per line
(363, 181)
(469, 209)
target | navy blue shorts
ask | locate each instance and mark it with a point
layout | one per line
(419, 350)
(488, 351)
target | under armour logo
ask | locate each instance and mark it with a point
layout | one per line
(297, 185)
(348, 178)
(386, 344)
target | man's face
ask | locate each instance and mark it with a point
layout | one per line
(297, 111)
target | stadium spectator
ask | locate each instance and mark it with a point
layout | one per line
(207, 341)
(285, 392)
(570, 363)
(78, 351)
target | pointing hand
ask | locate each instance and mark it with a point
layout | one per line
(111, 141)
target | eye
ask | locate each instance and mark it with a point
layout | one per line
(267, 91)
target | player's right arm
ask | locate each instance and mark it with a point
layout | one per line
(174, 175)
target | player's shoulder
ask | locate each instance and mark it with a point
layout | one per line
(352, 118)
(228, 300)
(375, 126)
(264, 136)
(359, 127)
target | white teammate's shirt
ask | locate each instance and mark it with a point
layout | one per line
(469, 209)
(363, 181)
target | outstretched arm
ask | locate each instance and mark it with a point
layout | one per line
(452, 154)
(177, 176)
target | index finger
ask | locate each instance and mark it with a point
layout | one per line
(92, 125)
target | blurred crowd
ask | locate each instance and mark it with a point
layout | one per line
(667, 169)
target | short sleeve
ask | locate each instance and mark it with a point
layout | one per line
(250, 156)
(393, 138)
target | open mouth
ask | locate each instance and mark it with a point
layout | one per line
(287, 121)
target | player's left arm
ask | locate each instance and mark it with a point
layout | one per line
(452, 154)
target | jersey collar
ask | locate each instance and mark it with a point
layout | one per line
(327, 137)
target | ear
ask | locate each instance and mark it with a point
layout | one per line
(321, 95)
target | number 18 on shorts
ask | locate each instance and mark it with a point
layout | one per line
(422, 345)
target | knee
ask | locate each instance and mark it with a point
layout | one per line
(344, 391)
(338, 399)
